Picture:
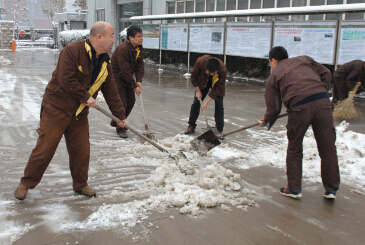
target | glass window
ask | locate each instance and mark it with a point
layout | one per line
(189, 6)
(100, 15)
(353, 16)
(210, 5)
(231, 5)
(316, 3)
(333, 16)
(283, 3)
(242, 4)
(200, 6)
(255, 5)
(171, 7)
(180, 7)
(268, 4)
(131, 9)
(298, 3)
(221, 5)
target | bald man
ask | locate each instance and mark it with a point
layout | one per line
(83, 69)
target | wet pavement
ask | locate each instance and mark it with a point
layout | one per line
(167, 98)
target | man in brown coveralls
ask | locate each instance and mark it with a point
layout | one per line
(208, 73)
(127, 60)
(83, 69)
(302, 84)
(344, 79)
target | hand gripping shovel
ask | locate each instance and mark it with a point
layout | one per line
(147, 134)
(214, 129)
(136, 132)
(208, 141)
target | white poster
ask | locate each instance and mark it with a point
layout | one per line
(317, 42)
(151, 42)
(174, 38)
(248, 41)
(352, 44)
(206, 39)
(151, 36)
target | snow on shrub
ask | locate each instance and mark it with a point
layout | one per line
(67, 37)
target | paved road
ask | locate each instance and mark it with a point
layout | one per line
(167, 98)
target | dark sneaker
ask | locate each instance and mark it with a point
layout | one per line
(190, 130)
(21, 192)
(87, 191)
(288, 193)
(123, 135)
(330, 194)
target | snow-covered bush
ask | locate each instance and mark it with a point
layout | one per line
(67, 37)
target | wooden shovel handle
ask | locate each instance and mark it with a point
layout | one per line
(105, 112)
(205, 115)
(249, 126)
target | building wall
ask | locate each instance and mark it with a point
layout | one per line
(6, 34)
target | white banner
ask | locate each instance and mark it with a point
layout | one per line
(206, 39)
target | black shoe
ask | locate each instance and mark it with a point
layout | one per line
(190, 130)
(123, 135)
(330, 194)
(288, 193)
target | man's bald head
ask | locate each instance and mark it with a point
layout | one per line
(98, 28)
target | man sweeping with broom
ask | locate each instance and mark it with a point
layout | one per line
(301, 84)
(344, 79)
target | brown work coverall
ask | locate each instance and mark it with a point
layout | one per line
(344, 79)
(292, 82)
(64, 96)
(126, 61)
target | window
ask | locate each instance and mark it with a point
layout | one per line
(189, 7)
(231, 5)
(353, 16)
(199, 7)
(180, 8)
(316, 3)
(131, 9)
(333, 16)
(255, 5)
(171, 10)
(298, 3)
(242, 4)
(210, 5)
(268, 4)
(100, 15)
(282, 4)
(221, 5)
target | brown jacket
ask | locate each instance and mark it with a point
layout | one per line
(126, 61)
(69, 85)
(199, 77)
(291, 81)
(349, 73)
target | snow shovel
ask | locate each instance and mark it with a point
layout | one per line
(136, 132)
(246, 127)
(147, 134)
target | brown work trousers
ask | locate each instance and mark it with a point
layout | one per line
(128, 97)
(54, 124)
(318, 114)
(339, 89)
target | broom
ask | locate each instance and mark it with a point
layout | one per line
(345, 109)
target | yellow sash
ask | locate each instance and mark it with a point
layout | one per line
(215, 78)
(103, 74)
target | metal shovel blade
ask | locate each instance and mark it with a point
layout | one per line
(205, 142)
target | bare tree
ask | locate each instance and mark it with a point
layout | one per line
(19, 15)
(80, 5)
(50, 7)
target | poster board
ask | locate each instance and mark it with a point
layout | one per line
(151, 36)
(174, 37)
(314, 39)
(249, 39)
(351, 41)
(206, 38)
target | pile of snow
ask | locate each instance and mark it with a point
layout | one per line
(176, 183)
(123, 33)
(66, 37)
(5, 62)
